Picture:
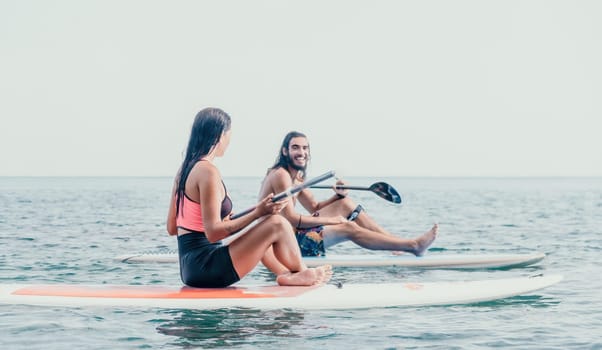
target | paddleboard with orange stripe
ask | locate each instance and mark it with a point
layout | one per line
(348, 296)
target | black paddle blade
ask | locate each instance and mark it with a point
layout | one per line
(386, 191)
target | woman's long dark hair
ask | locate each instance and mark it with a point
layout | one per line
(209, 125)
(283, 161)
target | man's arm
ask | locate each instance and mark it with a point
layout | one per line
(308, 201)
(278, 181)
(281, 181)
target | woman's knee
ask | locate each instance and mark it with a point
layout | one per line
(278, 224)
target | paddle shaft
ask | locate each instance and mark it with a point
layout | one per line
(291, 191)
(345, 187)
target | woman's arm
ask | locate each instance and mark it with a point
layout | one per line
(172, 228)
(211, 193)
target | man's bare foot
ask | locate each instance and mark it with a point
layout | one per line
(307, 277)
(425, 241)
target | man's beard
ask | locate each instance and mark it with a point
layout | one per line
(292, 164)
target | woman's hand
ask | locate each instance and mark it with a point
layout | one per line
(267, 207)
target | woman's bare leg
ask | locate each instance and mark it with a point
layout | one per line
(275, 232)
(271, 263)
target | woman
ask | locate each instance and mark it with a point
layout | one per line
(199, 214)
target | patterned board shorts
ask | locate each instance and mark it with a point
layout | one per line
(310, 241)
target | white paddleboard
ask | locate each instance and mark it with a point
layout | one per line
(348, 296)
(439, 261)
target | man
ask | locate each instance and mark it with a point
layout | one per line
(335, 219)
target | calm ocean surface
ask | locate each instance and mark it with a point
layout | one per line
(68, 230)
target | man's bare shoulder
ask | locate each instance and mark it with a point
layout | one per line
(278, 175)
(275, 181)
(278, 179)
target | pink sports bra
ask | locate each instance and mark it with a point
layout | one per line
(190, 217)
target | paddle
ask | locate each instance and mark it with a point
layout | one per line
(291, 191)
(382, 189)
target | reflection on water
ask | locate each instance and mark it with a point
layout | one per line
(229, 327)
(238, 326)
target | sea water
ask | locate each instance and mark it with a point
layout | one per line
(68, 230)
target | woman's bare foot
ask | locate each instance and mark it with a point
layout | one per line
(324, 273)
(307, 277)
(425, 241)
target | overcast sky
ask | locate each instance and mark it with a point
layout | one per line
(382, 88)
